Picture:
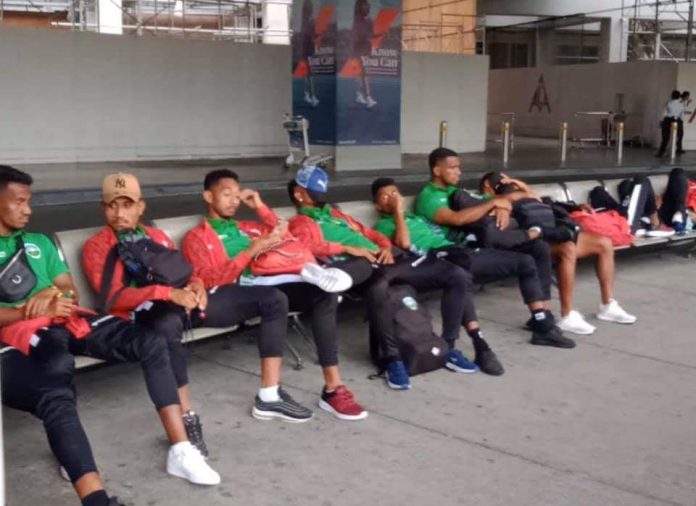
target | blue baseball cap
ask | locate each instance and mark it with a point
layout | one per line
(314, 180)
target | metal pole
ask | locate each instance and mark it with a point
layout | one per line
(564, 141)
(657, 30)
(619, 143)
(506, 143)
(673, 149)
(689, 27)
(443, 134)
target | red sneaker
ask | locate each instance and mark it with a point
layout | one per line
(341, 403)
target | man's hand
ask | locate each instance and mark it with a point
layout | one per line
(385, 257)
(502, 218)
(262, 244)
(40, 304)
(251, 199)
(355, 251)
(185, 298)
(62, 307)
(398, 202)
(201, 294)
(502, 203)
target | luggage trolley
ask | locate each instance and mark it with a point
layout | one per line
(297, 128)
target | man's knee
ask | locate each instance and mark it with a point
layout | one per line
(273, 303)
(526, 266)
(456, 276)
(169, 324)
(153, 348)
(57, 404)
(566, 252)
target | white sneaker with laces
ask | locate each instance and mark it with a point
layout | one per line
(575, 323)
(612, 312)
(185, 461)
(329, 279)
(371, 102)
(360, 98)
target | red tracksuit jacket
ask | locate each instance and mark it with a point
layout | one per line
(204, 250)
(94, 255)
(309, 232)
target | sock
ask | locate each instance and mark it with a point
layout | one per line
(542, 320)
(98, 498)
(480, 345)
(269, 394)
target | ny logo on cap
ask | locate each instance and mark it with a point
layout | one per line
(120, 183)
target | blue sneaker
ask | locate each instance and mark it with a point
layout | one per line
(397, 376)
(679, 227)
(457, 362)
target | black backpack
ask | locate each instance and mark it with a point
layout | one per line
(145, 263)
(421, 349)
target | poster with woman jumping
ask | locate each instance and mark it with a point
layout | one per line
(368, 87)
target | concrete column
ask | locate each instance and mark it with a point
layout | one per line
(276, 21)
(545, 48)
(110, 16)
(614, 40)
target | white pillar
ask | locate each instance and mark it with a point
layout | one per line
(110, 16)
(276, 21)
(614, 33)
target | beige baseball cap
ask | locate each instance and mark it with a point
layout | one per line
(120, 185)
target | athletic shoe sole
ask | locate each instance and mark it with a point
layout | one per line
(614, 320)
(454, 368)
(553, 343)
(394, 386)
(270, 415)
(176, 474)
(330, 409)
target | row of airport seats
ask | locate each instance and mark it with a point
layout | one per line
(70, 242)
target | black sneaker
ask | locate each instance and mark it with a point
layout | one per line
(541, 326)
(553, 337)
(488, 363)
(194, 431)
(287, 409)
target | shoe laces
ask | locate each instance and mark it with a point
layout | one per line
(194, 431)
(343, 394)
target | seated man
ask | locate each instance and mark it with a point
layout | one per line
(30, 383)
(525, 257)
(367, 256)
(218, 250)
(168, 309)
(646, 214)
(565, 249)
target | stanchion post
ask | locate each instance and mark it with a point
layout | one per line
(443, 134)
(619, 143)
(506, 143)
(564, 141)
(673, 149)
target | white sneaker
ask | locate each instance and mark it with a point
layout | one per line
(612, 312)
(185, 461)
(575, 323)
(371, 102)
(360, 98)
(329, 279)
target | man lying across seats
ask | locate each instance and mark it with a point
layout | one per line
(374, 265)
(40, 319)
(148, 278)
(568, 243)
(648, 214)
(218, 250)
(456, 213)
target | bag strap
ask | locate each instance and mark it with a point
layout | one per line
(104, 305)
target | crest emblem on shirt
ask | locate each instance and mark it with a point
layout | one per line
(32, 250)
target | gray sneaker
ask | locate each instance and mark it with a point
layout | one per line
(286, 409)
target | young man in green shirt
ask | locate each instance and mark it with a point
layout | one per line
(413, 233)
(374, 265)
(527, 258)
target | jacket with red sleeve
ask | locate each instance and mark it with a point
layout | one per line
(309, 232)
(94, 256)
(204, 250)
